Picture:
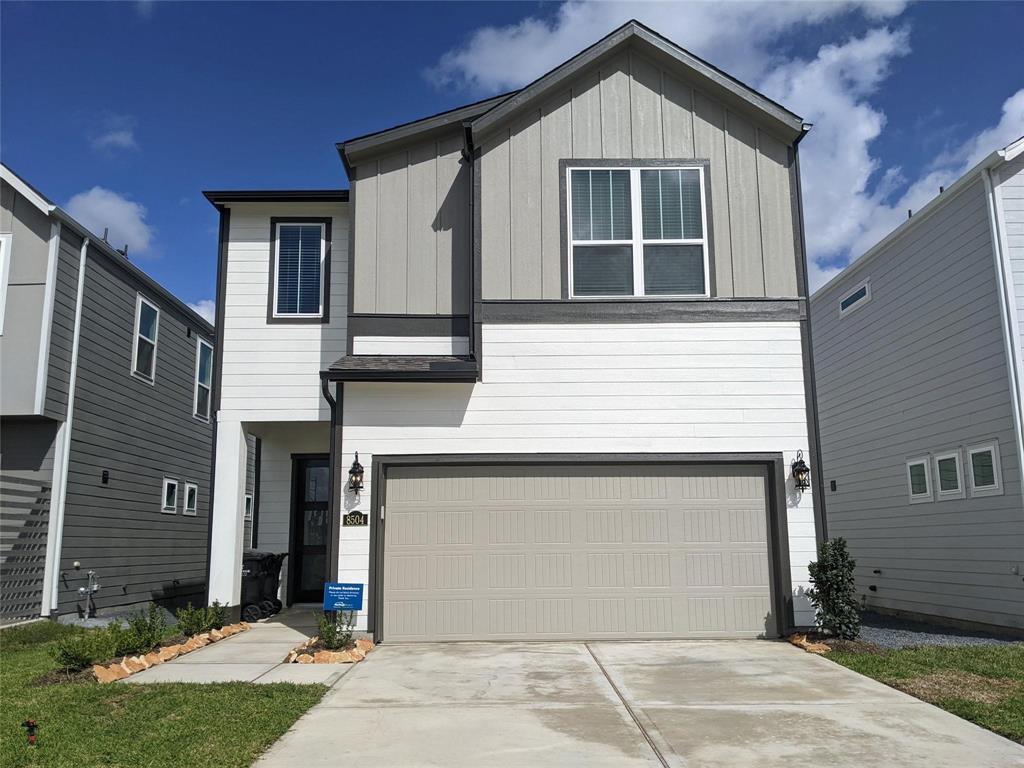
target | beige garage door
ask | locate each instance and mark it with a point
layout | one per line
(550, 552)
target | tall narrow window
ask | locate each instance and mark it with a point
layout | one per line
(948, 476)
(248, 506)
(204, 379)
(638, 232)
(170, 499)
(299, 267)
(147, 326)
(918, 481)
(191, 499)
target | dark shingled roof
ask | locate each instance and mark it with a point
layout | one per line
(402, 368)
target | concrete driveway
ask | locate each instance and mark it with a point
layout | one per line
(685, 703)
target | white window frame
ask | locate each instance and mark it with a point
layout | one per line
(277, 266)
(200, 343)
(985, 490)
(169, 481)
(6, 244)
(920, 498)
(139, 301)
(865, 284)
(638, 242)
(248, 507)
(186, 509)
(940, 494)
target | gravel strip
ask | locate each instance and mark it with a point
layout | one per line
(894, 632)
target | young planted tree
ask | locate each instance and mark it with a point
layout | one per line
(833, 591)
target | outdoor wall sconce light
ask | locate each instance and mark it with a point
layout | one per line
(355, 475)
(801, 473)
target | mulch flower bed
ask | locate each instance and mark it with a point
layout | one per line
(175, 647)
(313, 652)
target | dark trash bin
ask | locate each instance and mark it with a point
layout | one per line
(261, 576)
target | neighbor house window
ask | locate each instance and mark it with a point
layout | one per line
(204, 378)
(637, 232)
(856, 299)
(248, 506)
(918, 480)
(191, 498)
(299, 253)
(983, 465)
(5, 274)
(147, 325)
(948, 476)
(170, 499)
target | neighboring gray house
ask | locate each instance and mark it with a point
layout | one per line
(918, 349)
(565, 331)
(105, 429)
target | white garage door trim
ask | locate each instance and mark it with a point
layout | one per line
(777, 528)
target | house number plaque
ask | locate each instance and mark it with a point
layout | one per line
(354, 519)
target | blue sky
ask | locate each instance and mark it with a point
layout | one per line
(153, 102)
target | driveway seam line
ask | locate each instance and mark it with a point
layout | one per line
(629, 709)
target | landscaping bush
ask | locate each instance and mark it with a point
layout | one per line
(145, 631)
(335, 628)
(75, 652)
(196, 621)
(833, 592)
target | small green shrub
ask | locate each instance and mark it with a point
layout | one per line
(196, 621)
(335, 628)
(833, 591)
(75, 652)
(145, 631)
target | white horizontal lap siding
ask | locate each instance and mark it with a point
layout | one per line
(615, 388)
(270, 370)
(410, 345)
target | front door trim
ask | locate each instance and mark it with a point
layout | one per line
(778, 522)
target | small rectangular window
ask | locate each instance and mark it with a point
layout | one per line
(948, 476)
(204, 379)
(147, 328)
(299, 267)
(860, 296)
(985, 474)
(248, 506)
(637, 232)
(170, 497)
(918, 480)
(191, 498)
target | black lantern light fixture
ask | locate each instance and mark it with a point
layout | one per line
(801, 473)
(355, 475)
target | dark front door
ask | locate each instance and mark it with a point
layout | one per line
(309, 529)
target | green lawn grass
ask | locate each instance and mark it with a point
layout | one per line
(994, 672)
(88, 724)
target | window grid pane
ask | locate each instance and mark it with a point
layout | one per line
(205, 373)
(298, 269)
(918, 479)
(144, 358)
(983, 469)
(170, 495)
(948, 480)
(147, 321)
(603, 270)
(601, 205)
(673, 270)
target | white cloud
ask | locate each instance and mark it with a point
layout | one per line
(205, 308)
(851, 201)
(99, 208)
(114, 132)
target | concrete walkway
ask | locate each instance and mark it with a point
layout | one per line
(253, 656)
(708, 704)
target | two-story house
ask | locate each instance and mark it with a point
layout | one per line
(564, 333)
(920, 390)
(105, 423)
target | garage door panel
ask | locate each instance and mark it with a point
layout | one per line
(573, 552)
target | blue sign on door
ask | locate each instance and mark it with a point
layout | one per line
(343, 597)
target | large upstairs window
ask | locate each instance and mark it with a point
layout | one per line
(299, 254)
(637, 232)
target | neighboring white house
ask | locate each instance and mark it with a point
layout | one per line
(565, 330)
(918, 348)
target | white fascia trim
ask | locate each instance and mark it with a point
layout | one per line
(1007, 303)
(46, 323)
(6, 253)
(23, 189)
(62, 457)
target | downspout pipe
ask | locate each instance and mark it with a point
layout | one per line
(55, 530)
(334, 485)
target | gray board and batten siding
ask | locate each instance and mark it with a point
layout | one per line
(918, 369)
(139, 432)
